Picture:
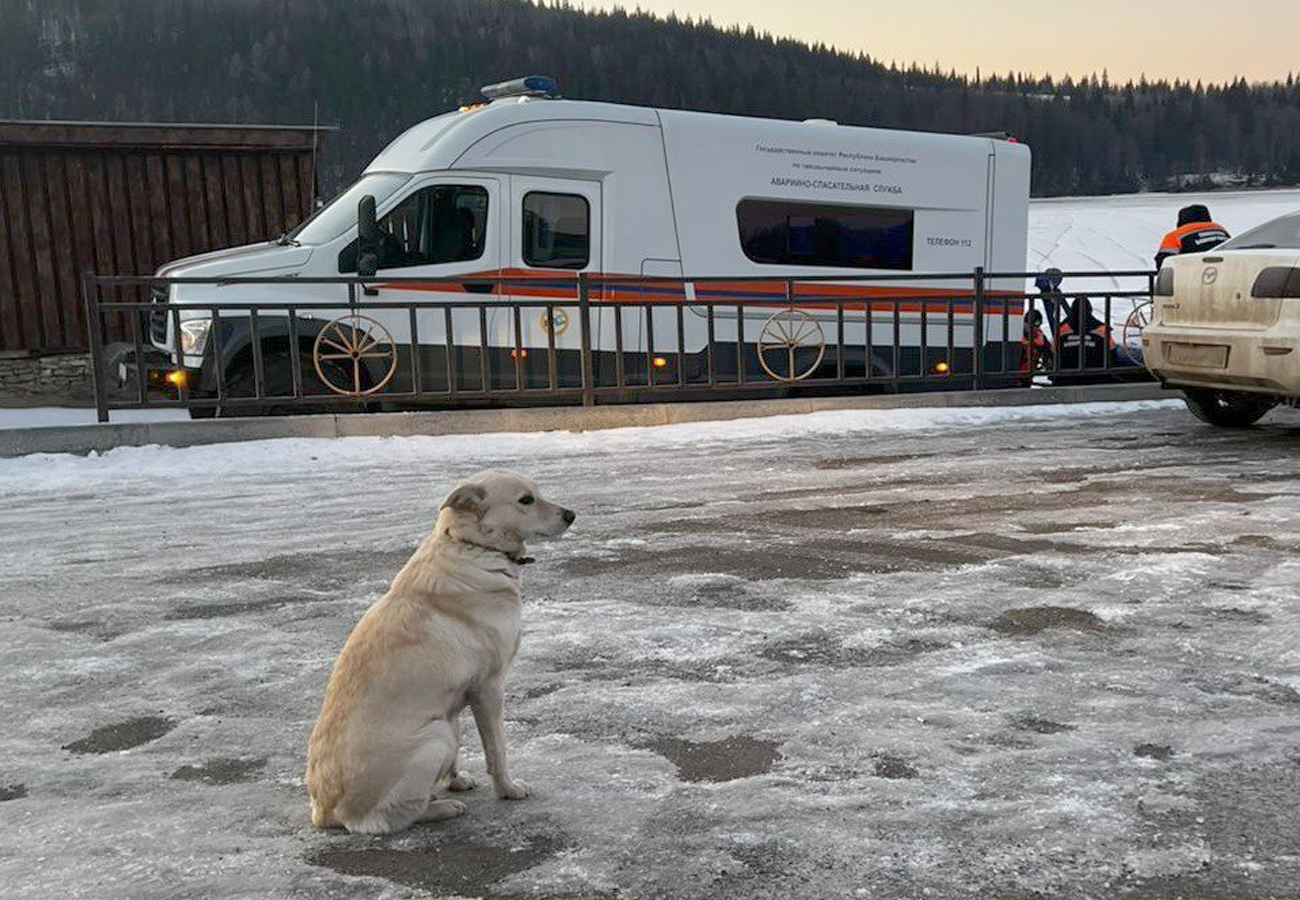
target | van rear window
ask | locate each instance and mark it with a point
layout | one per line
(792, 233)
(557, 230)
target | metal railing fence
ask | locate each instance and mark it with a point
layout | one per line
(287, 344)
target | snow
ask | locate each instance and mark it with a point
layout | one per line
(50, 416)
(1122, 233)
(50, 472)
(1116, 234)
(911, 653)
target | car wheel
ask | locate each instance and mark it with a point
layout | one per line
(1227, 409)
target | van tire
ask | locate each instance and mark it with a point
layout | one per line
(1227, 409)
(277, 378)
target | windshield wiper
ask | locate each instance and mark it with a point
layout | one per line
(285, 241)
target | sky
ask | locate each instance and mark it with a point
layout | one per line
(1188, 39)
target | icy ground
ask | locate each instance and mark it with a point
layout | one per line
(1037, 653)
(1088, 234)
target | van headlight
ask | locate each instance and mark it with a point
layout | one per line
(194, 336)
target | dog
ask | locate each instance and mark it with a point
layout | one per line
(439, 640)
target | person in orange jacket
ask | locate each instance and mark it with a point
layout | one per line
(1196, 233)
(1035, 348)
(1076, 328)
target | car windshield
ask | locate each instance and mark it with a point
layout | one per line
(340, 214)
(1283, 232)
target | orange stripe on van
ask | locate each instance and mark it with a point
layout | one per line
(637, 289)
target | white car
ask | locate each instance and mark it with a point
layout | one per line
(1226, 325)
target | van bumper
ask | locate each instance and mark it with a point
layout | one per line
(125, 363)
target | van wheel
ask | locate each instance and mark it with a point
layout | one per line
(1227, 409)
(277, 382)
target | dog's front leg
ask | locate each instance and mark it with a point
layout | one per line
(456, 779)
(487, 705)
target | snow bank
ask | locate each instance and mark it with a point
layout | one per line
(47, 472)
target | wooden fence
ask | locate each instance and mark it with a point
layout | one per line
(125, 198)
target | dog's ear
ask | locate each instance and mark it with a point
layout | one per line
(467, 498)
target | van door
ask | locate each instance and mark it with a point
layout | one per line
(440, 227)
(556, 229)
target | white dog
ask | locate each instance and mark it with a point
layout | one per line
(439, 640)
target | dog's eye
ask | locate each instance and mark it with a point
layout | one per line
(526, 499)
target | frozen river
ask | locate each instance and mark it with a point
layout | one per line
(1041, 653)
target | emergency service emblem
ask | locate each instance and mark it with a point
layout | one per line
(557, 321)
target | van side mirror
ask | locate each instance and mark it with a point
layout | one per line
(368, 242)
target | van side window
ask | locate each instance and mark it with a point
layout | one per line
(815, 234)
(557, 230)
(441, 223)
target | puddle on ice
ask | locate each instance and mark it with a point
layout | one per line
(122, 735)
(1161, 752)
(1042, 726)
(220, 771)
(894, 767)
(724, 760)
(1034, 619)
(456, 862)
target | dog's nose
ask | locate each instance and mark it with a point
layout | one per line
(569, 516)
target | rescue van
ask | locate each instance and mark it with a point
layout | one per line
(538, 190)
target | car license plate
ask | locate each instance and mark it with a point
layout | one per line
(1207, 356)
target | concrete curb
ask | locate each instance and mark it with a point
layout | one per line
(84, 439)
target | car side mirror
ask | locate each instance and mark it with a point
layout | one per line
(368, 242)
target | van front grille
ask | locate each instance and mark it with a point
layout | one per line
(158, 317)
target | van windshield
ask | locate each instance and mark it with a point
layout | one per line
(340, 214)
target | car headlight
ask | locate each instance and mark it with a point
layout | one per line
(194, 336)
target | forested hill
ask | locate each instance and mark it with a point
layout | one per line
(376, 66)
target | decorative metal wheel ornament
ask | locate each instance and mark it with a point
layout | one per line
(1131, 336)
(791, 345)
(340, 349)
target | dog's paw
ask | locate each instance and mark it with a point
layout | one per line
(460, 782)
(438, 810)
(513, 790)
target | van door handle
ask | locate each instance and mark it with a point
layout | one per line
(477, 287)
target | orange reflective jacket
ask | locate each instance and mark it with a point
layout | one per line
(1194, 237)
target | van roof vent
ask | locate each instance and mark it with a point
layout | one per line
(528, 86)
(820, 122)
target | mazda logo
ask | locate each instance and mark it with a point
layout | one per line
(1209, 275)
